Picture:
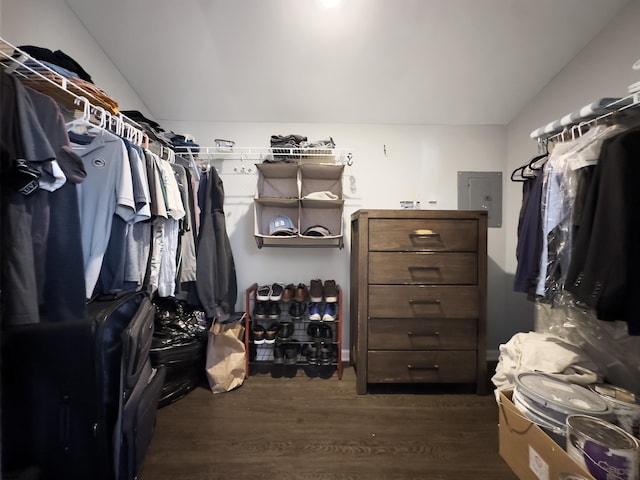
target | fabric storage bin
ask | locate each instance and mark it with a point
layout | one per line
(326, 213)
(321, 178)
(277, 181)
(267, 210)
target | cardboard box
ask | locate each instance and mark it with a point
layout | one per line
(529, 451)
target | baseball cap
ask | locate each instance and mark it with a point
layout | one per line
(317, 231)
(282, 225)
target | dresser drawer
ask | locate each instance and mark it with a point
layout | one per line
(415, 235)
(422, 334)
(423, 268)
(409, 301)
(427, 367)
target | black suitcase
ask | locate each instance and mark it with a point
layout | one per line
(62, 393)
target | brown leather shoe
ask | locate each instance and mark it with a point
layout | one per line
(302, 293)
(288, 293)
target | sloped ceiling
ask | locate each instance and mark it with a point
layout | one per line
(365, 61)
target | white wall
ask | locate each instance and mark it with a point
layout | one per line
(421, 163)
(51, 24)
(601, 69)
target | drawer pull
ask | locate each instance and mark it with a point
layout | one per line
(424, 234)
(424, 302)
(431, 367)
(434, 334)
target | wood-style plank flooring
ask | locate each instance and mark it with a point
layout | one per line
(320, 429)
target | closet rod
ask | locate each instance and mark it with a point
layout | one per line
(584, 117)
(41, 78)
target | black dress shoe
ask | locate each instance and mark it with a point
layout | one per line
(296, 310)
(285, 331)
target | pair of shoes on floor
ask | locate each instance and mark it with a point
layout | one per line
(266, 310)
(326, 312)
(327, 292)
(271, 292)
(320, 332)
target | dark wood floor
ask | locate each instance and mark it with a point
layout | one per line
(314, 428)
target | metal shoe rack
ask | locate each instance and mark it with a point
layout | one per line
(260, 357)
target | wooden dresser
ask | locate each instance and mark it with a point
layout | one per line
(418, 297)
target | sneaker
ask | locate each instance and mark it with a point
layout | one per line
(288, 293)
(276, 292)
(270, 333)
(329, 314)
(330, 290)
(314, 311)
(273, 311)
(315, 290)
(263, 294)
(301, 293)
(296, 310)
(257, 333)
(260, 311)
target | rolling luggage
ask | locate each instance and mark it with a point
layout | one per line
(79, 398)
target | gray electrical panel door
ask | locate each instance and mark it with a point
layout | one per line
(481, 191)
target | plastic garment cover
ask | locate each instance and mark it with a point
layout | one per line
(608, 344)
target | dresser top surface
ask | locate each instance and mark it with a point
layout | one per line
(426, 214)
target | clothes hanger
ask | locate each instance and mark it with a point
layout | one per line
(81, 124)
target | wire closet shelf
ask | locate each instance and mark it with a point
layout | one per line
(76, 98)
(576, 123)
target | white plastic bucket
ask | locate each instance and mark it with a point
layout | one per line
(605, 450)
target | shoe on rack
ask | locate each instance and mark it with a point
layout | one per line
(329, 314)
(314, 312)
(315, 290)
(291, 353)
(330, 291)
(257, 334)
(288, 293)
(260, 311)
(285, 332)
(273, 311)
(278, 354)
(270, 333)
(276, 292)
(296, 310)
(310, 352)
(326, 334)
(327, 354)
(264, 293)
(301, 293)
(314, 330)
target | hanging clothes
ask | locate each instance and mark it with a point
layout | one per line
(107, 191)
(216, 282)
(603, 270)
